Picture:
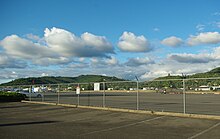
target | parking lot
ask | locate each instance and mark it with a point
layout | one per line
(207, 104)
(23, 120)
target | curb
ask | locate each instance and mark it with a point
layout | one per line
(196, 116)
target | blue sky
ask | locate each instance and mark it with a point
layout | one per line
(123, 38)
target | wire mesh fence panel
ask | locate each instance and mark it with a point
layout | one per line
(26, 91)
(203, 96)
(121, 95)
(165, 96)
(93, 95)
(182, 95)
(50, 93)
(67, 93)
(36, 93)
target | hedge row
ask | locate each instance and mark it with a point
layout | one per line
(11, 96)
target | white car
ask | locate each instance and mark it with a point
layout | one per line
(32, 94)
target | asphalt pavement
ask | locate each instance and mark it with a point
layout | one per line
(208, 104)
(23, 120)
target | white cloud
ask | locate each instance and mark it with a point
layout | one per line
(153, 74)
(88, 45)
(216, 14)
(112, 61)
(156, 29)
(172, 41)
(192, 58)
(218, 24)
(33, 37)
(204, 38)
(176, 64)
(100, 62)
(8, 62)
(134, 62)
(200, 27)
(58, 46)
(176, 68)
(129, 42)
(44, 74)
(23, 48)
(197, 58)
(47, 61)
(79, 66)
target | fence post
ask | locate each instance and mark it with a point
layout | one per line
(58, 94)
(42, 91)
(184, 97)
(137, 95)
(30, 92)
(78, 97)
(103, 98)
(89, 91)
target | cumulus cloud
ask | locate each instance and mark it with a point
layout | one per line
(129, 42)
(8, 62)
(33, 37)
(23, 48)
(79, 65)
(112, 61)
(176, 64)
(88, 45)
(46, 61)
(58, 46)
(100, 62)
(172, 41)
(204, 38)
(134, 62)
(192, 58)
(196, 58)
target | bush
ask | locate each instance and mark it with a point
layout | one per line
(11, 97)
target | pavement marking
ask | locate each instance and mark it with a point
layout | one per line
(86, 118)
(127, 125)
(204, 131)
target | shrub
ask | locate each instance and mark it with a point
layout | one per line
(11, 96)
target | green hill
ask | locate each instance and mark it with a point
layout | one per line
(213, 73)
(161, 81)
(57, 80)
(98, 78)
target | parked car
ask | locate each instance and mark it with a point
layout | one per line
(32, 94)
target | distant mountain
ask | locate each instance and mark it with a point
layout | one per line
(57, 80)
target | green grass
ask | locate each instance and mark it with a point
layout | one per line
(11, 97)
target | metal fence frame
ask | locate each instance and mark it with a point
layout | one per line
(184, 80)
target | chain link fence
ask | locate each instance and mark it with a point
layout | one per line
(195, 96)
